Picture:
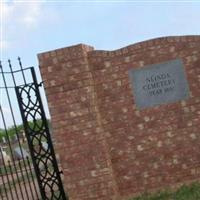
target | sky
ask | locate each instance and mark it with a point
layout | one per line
(32, 27)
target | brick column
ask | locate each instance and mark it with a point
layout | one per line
(77, 130)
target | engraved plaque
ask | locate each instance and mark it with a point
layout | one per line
(159, 84)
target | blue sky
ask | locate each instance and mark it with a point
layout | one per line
(31, 27)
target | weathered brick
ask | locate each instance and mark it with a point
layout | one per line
(108, 148)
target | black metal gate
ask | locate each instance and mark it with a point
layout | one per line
(28, 167)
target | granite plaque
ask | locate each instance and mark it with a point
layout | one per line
(159, 84)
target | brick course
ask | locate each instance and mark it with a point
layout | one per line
(107, 147)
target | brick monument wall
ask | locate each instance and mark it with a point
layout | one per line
(108, 148)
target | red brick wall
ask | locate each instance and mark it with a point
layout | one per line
(108, 148)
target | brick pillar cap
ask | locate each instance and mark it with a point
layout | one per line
(53, 53)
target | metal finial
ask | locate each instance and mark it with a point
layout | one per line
(9, 62)
(19, 59)
(20, 63)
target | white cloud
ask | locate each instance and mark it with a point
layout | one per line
(18, 19)
(4, 44)
(27, 14)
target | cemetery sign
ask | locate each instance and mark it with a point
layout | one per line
(159, 83)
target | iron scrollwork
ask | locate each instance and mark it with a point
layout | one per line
(39, 140)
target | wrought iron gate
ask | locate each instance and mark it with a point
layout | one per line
(28, 167)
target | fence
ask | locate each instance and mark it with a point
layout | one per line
(28, 166)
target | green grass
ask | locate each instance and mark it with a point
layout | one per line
(191, 192)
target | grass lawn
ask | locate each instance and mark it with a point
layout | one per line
(191, 192)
